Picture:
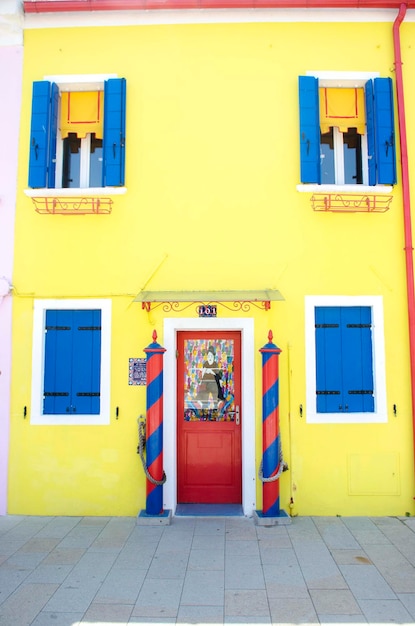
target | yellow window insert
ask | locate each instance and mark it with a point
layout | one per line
(82, 113)
(342, 107)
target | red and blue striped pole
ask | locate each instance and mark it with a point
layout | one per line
(154, 426)
(270, 429)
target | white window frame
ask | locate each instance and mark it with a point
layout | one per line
(75, 82)
(350, 80)
(338, 144)
(84, 161)
(380, 414)
(37, 417)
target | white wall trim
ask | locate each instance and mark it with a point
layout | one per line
(246, 327)
(38, 351)
(380, 414)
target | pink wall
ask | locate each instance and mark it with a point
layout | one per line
(11, 61)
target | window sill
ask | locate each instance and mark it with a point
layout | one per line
(76, 192)
(358, 189)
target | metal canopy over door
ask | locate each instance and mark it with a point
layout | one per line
(209, 417)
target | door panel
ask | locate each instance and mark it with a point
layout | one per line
(209, 417)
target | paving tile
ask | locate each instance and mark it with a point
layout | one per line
(137, 619)
(46, 618)
(73, 597)
(49, 574)
(121, 587)
(93, 565)
(351, 557)
(118, 614)
(292, 611)
(242, 547)
(58, 527)
(10, 545)
(209, 541)
(247, 603)
(408, 600)
(203, 588)
(135, 556)
(144, 534)
(261, 620)
(239, 528)
(206, 560)
(285, 580)
(212, 526)
(394, 567)
(335, 602)
(25, 603)
(409, 522)
(341, 619)
(169, 565)
(10, 579)
(271, 532)
(7, 522)
(243, 572)
(64, 556)
(200, 614)
(377, 611)
(24, 560)
(365, 531)
(158, 600)
(335, 534)
(81, 536)
(366, 583)
(319, 569)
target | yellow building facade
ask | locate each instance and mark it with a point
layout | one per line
(212, 200)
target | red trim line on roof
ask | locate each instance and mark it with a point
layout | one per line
(56, 6)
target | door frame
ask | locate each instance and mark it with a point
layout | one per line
(246, 327)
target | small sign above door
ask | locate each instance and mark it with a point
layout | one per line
(207, 310)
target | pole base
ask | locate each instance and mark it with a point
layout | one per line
(163, 519)
(282, 519)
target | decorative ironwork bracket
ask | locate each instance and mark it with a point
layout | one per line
(238, 305)
(178, 301)
(350, 203)
(72, 206)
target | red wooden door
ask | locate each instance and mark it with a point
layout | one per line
(209, 458)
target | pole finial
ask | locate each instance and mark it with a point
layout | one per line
(270, 336)
(154, 336)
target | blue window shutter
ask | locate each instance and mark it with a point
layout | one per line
(72, 368)
(357, 359)
(39, 134)
(370, 130)
(53, 128)
(114, 132)
(309, 129)
(57, 366)
(344, 362)
(86, 364)
(329, 386)
(385, 131)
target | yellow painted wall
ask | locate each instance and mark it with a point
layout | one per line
(212, 164)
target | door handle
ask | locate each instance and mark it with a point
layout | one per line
(236, 413)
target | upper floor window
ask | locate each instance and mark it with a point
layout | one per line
(347, 132)
(77, 137)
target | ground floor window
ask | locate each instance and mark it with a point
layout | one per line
(71, 362)
(345, 360)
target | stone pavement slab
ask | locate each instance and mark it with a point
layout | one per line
(109, 571)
